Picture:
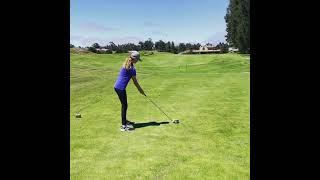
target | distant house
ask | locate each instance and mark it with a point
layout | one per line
(206, 49)
(231, 49)
(102, 49)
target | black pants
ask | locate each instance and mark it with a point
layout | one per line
(122, 94)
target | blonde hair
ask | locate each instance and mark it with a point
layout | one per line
(127, 64)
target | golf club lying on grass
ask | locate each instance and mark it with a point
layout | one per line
(176, 121)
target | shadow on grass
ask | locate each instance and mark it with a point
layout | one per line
(153, 123)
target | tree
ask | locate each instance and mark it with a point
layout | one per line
(223, 47)
(120, 49)
(168, 46)
(238, 24)
(71, 46)
(182, 47)
(175, 50)
(92, 49)
(162, 46)
(149, 44)
(172, 47)
(188, 46)
(196, 46)
(112, 46)
(141, 45)
(157, 46)
(95, 45)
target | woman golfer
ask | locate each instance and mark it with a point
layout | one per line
(127, 72)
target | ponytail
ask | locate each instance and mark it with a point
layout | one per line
(127, 64)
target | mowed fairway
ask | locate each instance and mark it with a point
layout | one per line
(209, 94)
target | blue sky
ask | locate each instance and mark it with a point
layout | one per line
(131, 21)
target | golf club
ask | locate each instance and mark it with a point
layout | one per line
(176, 121)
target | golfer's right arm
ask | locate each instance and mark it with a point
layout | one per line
(135, 81)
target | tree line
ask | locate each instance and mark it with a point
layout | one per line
(149, 45)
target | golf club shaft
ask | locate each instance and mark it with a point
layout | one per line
(158, 108)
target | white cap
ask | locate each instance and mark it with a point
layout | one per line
(135, 55)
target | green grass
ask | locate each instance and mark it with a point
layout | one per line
(209, 94)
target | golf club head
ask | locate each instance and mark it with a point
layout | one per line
(176, 121)
(78, 115)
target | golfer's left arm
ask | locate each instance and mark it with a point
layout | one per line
(135, 81)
